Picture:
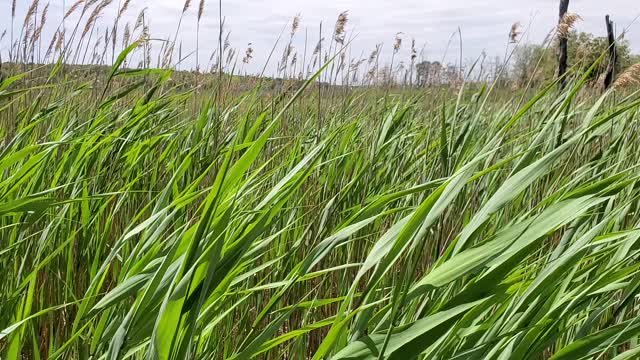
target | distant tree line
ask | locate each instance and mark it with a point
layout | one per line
(537, 63)
(530, 64)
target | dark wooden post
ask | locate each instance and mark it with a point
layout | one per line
(613, 56)
(563, 42)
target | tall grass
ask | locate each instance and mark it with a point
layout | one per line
(142, 219)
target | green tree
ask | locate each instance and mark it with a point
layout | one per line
(537, 63)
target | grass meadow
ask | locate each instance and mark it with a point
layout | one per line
(144, 217)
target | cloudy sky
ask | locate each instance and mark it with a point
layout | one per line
(484, 24)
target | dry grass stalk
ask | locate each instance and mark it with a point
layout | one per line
(341, 23)
(629, 77)
(567, 24)
(13, 9)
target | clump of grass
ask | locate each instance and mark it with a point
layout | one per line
(142, 219)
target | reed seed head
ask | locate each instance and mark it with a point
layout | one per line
(200, 10)
(515, 32)
(124, 8)
(567, 23)
(187, 5)
(341, 23)
(397, 43)
(630, 77)
(295, 25)
(73, 8)
(248, 54)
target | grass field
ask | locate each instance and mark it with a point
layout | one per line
(141, 217)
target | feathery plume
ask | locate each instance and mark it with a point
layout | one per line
(13, 9)
(166, 61)
(73, 8)
(145, 32)
(187, 5)
(295, 25)
(60, 41)
(230, 56)
(227, 43)
(43, 20)
(200, 10)
(31, 11)
(414, 52)
(343, 57)
(355, 65)
(341, 23)
(629, 77)
(318, 47)
(148, 56)
(285, 56)
(54, 39)
(88, 4)
(374, 53)
(515, 32)
(567, 23)
(248, 54)
(126, 36)
(144, 36)
(124, 8)
(397, 42)
(95, 15)
(140, 20)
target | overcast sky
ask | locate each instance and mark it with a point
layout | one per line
(484, 24)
